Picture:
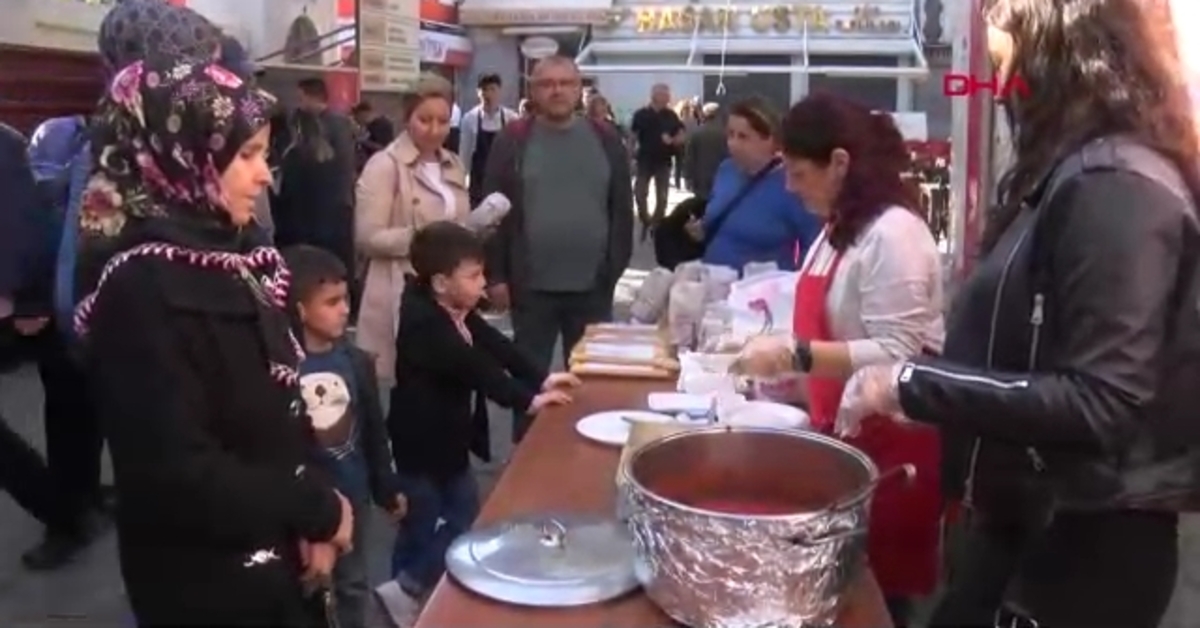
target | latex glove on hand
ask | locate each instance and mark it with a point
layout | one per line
(766, 356)
(490, 212)
(871, 390)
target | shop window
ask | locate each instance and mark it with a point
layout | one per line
(876, 93)
(773, 87)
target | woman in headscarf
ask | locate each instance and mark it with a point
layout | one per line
(190, 357)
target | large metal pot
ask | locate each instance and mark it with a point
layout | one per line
(710, 568)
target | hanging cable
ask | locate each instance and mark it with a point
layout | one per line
(720, 91)
(695, 38)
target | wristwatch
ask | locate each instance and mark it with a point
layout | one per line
(802, 357)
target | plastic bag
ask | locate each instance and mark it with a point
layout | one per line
(753, 269)
(685, 309)
(652, 296)
(490, 212)
(763, 303)
(718, 281)
(690, 271)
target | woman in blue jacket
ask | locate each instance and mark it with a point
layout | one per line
(751, 217)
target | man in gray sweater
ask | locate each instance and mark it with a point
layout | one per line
(556, 258)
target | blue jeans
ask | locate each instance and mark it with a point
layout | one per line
(350, 578)
(419, 556)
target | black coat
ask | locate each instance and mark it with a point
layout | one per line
(1073, 353)
(433, 425)
(208, 450)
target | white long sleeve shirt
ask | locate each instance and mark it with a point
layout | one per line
(885, 300)
(472, 122)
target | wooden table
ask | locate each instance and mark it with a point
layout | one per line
(556, 470)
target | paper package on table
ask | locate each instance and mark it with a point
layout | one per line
(623, 350)
(766, 296)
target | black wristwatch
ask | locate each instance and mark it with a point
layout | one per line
(802, 357)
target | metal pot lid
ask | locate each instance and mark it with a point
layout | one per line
(548, 561)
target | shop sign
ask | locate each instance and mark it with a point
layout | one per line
(389, 45)
(778, 18)
(470, 16)
(539, 47)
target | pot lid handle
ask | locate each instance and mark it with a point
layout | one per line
(553, 534)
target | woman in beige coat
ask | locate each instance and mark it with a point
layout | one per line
(411, 183)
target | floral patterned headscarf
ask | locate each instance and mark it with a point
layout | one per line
(162, 137)
(160, 141)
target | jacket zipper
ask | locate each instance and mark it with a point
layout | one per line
(1036, 318)
(969, 483)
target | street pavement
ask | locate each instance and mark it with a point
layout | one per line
(89, 592)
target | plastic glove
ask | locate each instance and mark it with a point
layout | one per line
(490, 212)
(871, 390)
(766, 356)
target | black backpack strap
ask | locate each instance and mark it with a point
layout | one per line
(730, 207)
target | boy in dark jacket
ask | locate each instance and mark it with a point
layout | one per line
(338, 385)
(448, 361)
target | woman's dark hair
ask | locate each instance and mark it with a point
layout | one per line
(760, 114)
(490, 78)
(442, 247)
(822, 123)
(1094, 68)
(308, 137)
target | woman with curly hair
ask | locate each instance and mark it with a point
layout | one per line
(1066, 393)
(191, 361)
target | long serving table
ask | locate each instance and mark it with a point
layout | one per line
(555, 470)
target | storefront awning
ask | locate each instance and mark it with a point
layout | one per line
(801, 48)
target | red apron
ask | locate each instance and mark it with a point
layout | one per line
(904, 540)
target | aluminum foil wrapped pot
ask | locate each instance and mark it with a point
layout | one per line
(747, 527)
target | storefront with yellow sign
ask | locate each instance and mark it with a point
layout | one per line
(719, 51)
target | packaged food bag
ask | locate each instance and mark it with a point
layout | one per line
(685, 310)
(650, 301)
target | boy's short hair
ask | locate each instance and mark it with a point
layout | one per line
(314, 88)
(311, 268)
(490, 78)
(441, 247)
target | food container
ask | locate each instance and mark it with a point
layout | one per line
(742, 527)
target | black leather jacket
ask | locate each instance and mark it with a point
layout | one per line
(1071, 375)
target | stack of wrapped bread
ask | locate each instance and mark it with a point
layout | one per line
(624, 350)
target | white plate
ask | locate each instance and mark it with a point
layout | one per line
(612, 428)
(766, 414)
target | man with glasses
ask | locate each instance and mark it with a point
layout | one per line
(556, 258)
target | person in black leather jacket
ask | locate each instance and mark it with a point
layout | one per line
(1066, 391)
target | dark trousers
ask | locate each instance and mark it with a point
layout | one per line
(438, 512)
(25, 476)
(351, 582)
(538, 318)
(74, 446)
(1086, 570)
(660, 173)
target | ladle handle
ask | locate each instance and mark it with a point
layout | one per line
(909, 471)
